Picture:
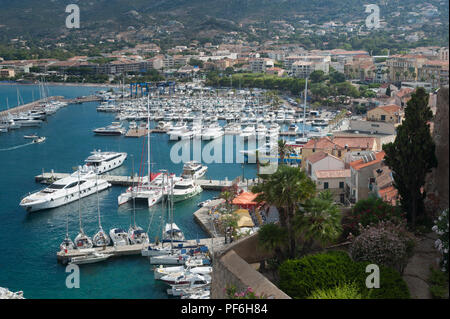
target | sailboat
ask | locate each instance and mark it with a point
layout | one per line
(67, 243)
(136, 235)
(172, 232)
(100, 239)
(82, 241)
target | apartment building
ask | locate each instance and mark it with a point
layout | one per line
(260, 65)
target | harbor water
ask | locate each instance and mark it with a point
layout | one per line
(29, 241)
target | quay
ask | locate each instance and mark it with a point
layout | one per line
(142, 132)
(213, 244)
(37, 103)
(203, 218)
(206, 184)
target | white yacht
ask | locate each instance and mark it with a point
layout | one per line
(90, 258)
(176, 130)
(116, 128)
(194, 170)
(212, 132)
(119, 237)
(64, 191)
(102, 162)
(248, 133)
(185, 189)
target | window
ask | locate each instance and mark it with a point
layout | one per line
(325, 185)
(383, 117)
(341, 184)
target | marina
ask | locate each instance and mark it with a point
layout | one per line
(137, 135)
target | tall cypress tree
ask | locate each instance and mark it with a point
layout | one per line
(412, 155)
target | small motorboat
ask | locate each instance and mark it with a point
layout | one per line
(39, 139)
(119, 237)
(90, 258)
(33, 136)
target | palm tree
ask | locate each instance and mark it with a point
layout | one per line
(271, 237)
(286, 189)
(228, 196)
(283, 150)
(319, 220)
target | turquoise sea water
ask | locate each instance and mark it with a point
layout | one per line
(29, 241)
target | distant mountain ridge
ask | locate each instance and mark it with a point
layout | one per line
(46, 18)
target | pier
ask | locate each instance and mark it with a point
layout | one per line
(203, 218)
(206, 184)
(29, 106)
(213, 244)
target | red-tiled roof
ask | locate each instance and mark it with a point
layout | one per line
(360, 163)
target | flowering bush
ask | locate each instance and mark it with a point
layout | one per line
(441, 228)
(384, 244)
(247, 294)
(369, 212)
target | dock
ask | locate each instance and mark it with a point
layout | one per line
(206, 184)
(29, 106)
(142, 132)
(213, 244)
(204, 219)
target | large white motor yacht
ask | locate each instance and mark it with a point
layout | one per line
(64, 191)
(102, 162)
(185, 189)
(194, 170)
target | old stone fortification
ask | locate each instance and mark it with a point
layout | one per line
(437, 182)
(232, 268)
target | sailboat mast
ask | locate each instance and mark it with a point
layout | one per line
(304, 109)
(148, 138)
(171, 212)
(79, 200)
(98, 202)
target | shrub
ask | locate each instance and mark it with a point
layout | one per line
(342, 291)
(370, 212)
(383, 244)
(300, 278)
(438, 284)
(441, 228)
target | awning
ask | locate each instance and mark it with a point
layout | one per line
(244, 218)
(245, 199)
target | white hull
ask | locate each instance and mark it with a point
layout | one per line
(64, 198)
(180, 196)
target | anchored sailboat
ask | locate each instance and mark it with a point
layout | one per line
(100, 239)
(82, 241)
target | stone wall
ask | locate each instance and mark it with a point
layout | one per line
(232, 267)
(437, 186)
